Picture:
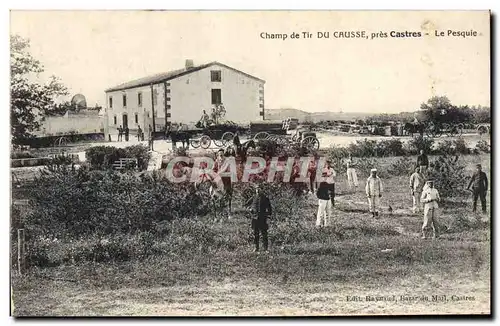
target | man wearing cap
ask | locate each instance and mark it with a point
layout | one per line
(330, 174)
(262, 210)
(374, 191)
(324, 204)
(479, 183)
(417, 182)
(430, 198)
(423, 162)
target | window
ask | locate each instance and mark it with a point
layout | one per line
(215, 75)
(136, 118)
(111, 102)
(168, 91)
(216, 96)
(114, 120)
(139, 99)
(124, 100)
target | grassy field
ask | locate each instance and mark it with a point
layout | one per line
(358, 266)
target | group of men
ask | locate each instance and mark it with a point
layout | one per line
(123, 132)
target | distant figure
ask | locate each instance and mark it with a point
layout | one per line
(237, 142)
(430, 198)
(324, 204)
(204, 119)
(479, 183)
(352, 177)
(311, 173)
(417, 182)
(423, 162)
(262, 210)
(126, 131)
(374, 191)
(120, 133)
(330, 175)
(150, 138)
(139, 133)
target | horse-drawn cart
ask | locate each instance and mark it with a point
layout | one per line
(221, 135)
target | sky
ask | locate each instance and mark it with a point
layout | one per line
(94, 50)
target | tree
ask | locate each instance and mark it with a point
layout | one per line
(30, 100)
(436, 108)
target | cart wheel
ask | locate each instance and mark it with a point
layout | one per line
(482, 130)
(205, 141)
(195, 143)
(227, 138)
(218, 143)
(310, 142)
(261, 136)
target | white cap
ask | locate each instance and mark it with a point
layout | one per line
(373, 170)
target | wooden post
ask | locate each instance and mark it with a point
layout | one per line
(165, 102)
(20, 251)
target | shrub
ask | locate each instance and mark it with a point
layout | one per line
(483, 146)
(102, 157)
(23, 154)
(452, 147)
(401, 167)
(420, 143)
(70, 203)
(363, 148)
(448, 173)
(390, 147)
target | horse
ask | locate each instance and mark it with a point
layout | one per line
(178, 136)
(412, 128)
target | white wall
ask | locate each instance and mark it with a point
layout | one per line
(79, 123)
(192, 93)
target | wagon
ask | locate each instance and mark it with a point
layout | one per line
(220, 135)
(305, 139)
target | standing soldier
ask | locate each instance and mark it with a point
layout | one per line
(330, 175)
(352, 177)
(126, 133)
(430, 198)
(479, 183)
(374, 191)
(423, 162)
(150, 138)
(324, 205)
(417, 183)
(261, 210)
(120, 133)
(139, 132)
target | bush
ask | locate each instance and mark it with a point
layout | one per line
(403, 166)
(69, 203)
(23, 154)
(102, 157)
(483, 146)
(420, 143)
(390, 147)
(363, 148)
(448, 173)
(452, 147)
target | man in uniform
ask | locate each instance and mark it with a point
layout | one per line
(374, 191)
(417, 183)
(479, 183)
(423, 162)
(430, 198)
(261, 210)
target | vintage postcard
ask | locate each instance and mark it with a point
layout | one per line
(250, 163)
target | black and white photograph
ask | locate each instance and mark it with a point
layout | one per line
(168, 163)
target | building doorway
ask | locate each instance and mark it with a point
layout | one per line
(125, 120)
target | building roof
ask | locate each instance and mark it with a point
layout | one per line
(159, 78)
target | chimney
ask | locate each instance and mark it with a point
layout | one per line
(189, 64)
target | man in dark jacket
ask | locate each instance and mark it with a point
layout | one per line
(479, 183)
(423, 162)
(261, 210)
(126, 131)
